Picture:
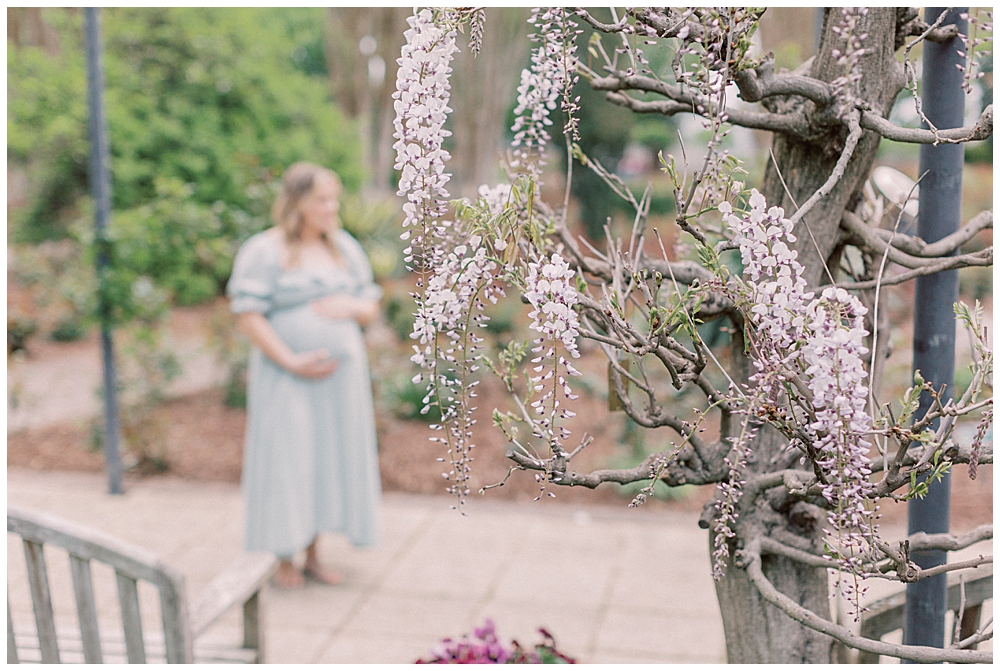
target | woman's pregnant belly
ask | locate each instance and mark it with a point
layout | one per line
(304, 330)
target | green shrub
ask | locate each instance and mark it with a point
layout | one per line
(376, 224)
(232, 351)
(68, 329)
(202, 96)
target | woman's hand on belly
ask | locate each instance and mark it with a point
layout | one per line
(315, 365)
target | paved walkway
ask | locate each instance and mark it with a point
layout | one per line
(612, 584)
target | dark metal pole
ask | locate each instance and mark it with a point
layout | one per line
(100, 189)
(933, 315)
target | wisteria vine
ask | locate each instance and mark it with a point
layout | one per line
(806, 348)
(796, 338)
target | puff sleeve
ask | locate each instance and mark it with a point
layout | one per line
(255, 269)
(361, 269)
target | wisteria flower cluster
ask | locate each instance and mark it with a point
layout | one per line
(549, 289)
(495, 197)
(550, 77)
(730, 492)
(820, 340)
(980, 33)
(452, 305)
(844, 87)
(476, 23)
(422, 95)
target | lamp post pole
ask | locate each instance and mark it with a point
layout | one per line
(100, 189)
(933, 315)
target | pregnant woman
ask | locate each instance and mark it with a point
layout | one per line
(302, 290)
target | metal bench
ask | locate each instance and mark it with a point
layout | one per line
(886, 615)
(239, 585)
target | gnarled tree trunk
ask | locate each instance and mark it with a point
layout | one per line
(757, 632)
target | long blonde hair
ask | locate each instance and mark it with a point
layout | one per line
(296, 183)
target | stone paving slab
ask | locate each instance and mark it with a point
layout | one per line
(612, 584)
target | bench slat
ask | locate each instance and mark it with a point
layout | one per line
(239, 585)
(240, 581)
(214, 650)
(128, 599)
(124, 557)
(41, 601)
(86, 608)
(176, 632)
(11, 643)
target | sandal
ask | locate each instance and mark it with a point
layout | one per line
(288, 579)
(322, 575)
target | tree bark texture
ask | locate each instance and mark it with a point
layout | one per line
(757, 632)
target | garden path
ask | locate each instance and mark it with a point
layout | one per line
(612, 584)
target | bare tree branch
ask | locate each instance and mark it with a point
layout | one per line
(890, 131)
(792, 123)
(936, 35)
(922, 573)
(603, 27)
(915, 246)
(925, 541)
(978, 637)
(838, 170)
(751, 560)
(870, 238)
(980, 258)
(773, 547)
(760, 83)
(674, 474)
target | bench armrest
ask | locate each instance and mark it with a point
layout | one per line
(233, 587)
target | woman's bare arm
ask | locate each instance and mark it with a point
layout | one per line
(342, 306)
(316, 364)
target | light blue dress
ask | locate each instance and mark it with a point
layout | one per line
(310, 459)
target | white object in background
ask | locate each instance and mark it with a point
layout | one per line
(897, 188)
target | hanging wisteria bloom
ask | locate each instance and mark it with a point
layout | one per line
(496, 197)
(849, 56)
(549, 289)
(819, 340)
(551, 76)
(422, 95)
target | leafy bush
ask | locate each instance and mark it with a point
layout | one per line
(200, 95)
(61, 285)
(232, 352)
(376, 224)
(176, 241)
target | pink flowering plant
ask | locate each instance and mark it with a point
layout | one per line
(806, 448)
(484, 647)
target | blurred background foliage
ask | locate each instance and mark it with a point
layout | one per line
(206, 108)
(208, 97)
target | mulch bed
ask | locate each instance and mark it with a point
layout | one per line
(204, 442)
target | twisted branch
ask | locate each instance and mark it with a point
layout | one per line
(751, 560)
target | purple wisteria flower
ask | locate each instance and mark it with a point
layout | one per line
(551, 76)
(422, 96)
(820, 341)
(549, 288)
